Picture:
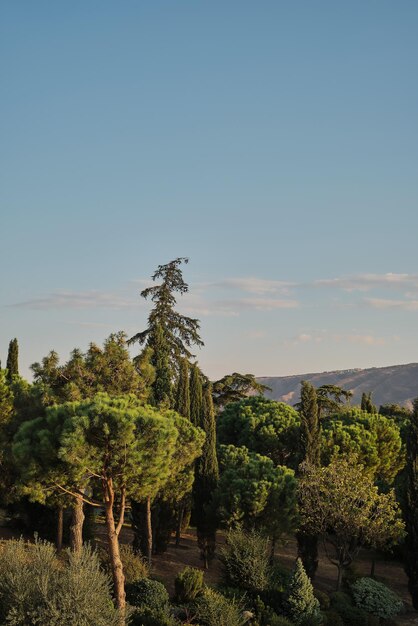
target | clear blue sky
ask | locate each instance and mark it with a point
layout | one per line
(274, 143)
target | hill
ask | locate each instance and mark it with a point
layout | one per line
(394, 384)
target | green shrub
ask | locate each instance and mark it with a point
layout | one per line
(245, 562)
(332, 618)
(300, 603)
(148, 594)
(351, 615)
(279, 576)
(188, 584)
(323, 599)
(149, 617)
(134, 566)
(376, 598)
(340, 597)
(213, 609)
(38, 588)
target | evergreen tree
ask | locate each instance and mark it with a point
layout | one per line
(6, 400)
(196, 395)
(411, 507)
(300, 603)
(310, 427)
(367, 404)
(206, 478)
(169, 334)
(182, 405)
(310, 443)
(12, 365)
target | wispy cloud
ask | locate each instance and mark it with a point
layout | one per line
(367, 282)
(317, 337)
(382, 303)
(252, 284)
(79, 300)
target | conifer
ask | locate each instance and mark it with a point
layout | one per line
(411, 507)
(182, 405)
(12, 365)
(206, 478)
(300, 604)
(196, 395)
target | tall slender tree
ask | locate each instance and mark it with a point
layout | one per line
(411, 507)
(206, 479)
(196, 395)
(182, 405)
(310, 445)
(12, 365)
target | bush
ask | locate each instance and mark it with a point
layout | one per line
(148, 594)
(134, 567)
(332, 618)
(376, 598)
(323, 599)
(300, 603)
(188, 584)
(148, 617)
(245, 562)
(213, 609)
(37, 588)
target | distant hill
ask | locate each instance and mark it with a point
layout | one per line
(394, 384)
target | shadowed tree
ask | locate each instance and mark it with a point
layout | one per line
(206, 479)
(196, 397)
(12, 364)
(411, 507)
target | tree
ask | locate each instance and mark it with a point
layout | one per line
(182, 405)
(374, 439)
(6, 399)
(169, 334)
(115, 446)
(196, 394)
(411, 507)
(255, 493)
(300, 603)
(310, 443)
(341, 504)
(235, 387)
(206, 479)
(367, 404)
(264, 426)
(12, 364)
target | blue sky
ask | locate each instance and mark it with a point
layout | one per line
(273, 143)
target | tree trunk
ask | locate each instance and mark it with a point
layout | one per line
(272, 549)
(179, 524)
(148, 524)
(76, 528)
(339, 577)
(114, 553)
(373, 568)
(60, 528)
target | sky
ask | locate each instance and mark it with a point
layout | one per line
(273, 143)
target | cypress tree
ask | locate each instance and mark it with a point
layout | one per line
(300, 603)
(411, 507)
(367, 404)
(182, 405)
(162, 387)
(206, 479)
(310, 445)
(196, 395)
(6, 400)
(13, 359)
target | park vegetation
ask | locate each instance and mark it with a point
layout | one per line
(147, 442)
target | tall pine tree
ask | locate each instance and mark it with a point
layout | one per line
(411, 507)
(169, 334)
(13, 359)
(206, 479)
(310, 447)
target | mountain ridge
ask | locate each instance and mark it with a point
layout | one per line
(392, 384)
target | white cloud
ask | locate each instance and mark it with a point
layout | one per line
(367, 282)
(79, 300)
